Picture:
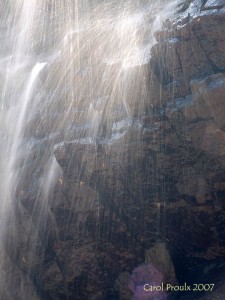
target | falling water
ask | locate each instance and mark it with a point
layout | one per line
(16, 125)
(69, 70)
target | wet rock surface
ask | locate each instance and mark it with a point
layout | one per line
(155, 188)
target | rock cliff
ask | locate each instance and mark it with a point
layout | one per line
(156, 191)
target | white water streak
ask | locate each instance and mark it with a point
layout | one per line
(13, 142)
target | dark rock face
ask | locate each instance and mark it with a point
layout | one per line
(157, 190)
(191, 47)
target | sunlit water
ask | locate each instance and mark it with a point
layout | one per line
(68, 70)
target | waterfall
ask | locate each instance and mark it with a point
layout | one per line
(16, 124)
(69, 70)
